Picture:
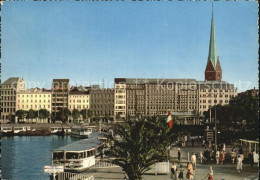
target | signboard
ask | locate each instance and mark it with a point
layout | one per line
(53, 169)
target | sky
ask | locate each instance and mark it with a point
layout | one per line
(92, 42)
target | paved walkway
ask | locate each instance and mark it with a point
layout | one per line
(221, 172)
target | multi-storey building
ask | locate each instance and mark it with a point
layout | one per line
(149, 97)
(102, 102)
(186, 98)
(35, 99)
(251, 92)
(214, 92)
(9, 88)
(60, 91)
(79, 99)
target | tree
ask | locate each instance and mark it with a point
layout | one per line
(10, 117)
(240, 115)
(44, 113)
(21, 114)
(75, 114)
(144, 143)
(89, 113)
(31, 114)
(83, 112)
(63, 114)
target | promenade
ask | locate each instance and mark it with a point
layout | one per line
(226, 171)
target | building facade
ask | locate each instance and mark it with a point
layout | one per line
(185, 98)
(78, 99)
(214, 92)
(251, 92)
(102, 102)
(9, 88)
(34, 99)
(60, 91)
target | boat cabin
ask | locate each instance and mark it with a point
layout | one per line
(78, 156)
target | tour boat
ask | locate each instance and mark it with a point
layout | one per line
(55, 130)
(80, 132)
(79, 155)
(6, 129)
(19, 129)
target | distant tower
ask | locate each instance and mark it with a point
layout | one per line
(213, 70)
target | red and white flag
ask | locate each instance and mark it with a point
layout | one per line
(169, 119)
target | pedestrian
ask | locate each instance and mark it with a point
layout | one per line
(239, 164)
(217, 157)
(189, 174)
(192, 141)
(251, 159)
(174, 171)
(233, 155)
(193, 160)
(240, 150)
(224, 147)
(201, 157)
(126, 177)
(185, 140)
(222, 157)
(210, 174)
(203, 143)
(180, 176)
(179, 155)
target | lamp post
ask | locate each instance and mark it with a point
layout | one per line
(215, 101)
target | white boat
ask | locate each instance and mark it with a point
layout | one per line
(80, 155)
(6, 129)
(54, 130)
(21, 129)
(81, 132)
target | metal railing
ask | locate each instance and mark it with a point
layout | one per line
(74, 176)
(100, 163)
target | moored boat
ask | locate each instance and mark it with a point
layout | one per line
(80, 155)
(81, 132)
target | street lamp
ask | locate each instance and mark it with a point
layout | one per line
(215, 101)
(215, 118)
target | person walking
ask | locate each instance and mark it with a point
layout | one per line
(217, 157)
(222, 157)
(192, 141)
(251, 159)
(193, 160)
(179, 155)
(233, 155)
(239, 164)
(189, 175)
(210, 174)
(174, 171)
(180, 176)
(201, 157)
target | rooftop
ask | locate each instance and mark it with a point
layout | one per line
(82, 145)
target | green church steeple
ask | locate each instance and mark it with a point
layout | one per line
(213, 52)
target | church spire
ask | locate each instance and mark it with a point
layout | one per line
(213, 70)
(213, 52)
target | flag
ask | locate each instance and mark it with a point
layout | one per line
(169, 119)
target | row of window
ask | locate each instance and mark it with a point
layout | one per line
(79, 101)
(36, 95)
(35, 106)
(79, 107)
(8, 98)
(44, 101)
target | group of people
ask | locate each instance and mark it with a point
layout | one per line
(179, 173)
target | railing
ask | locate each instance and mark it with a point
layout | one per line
(103, 164)
(74, 176)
